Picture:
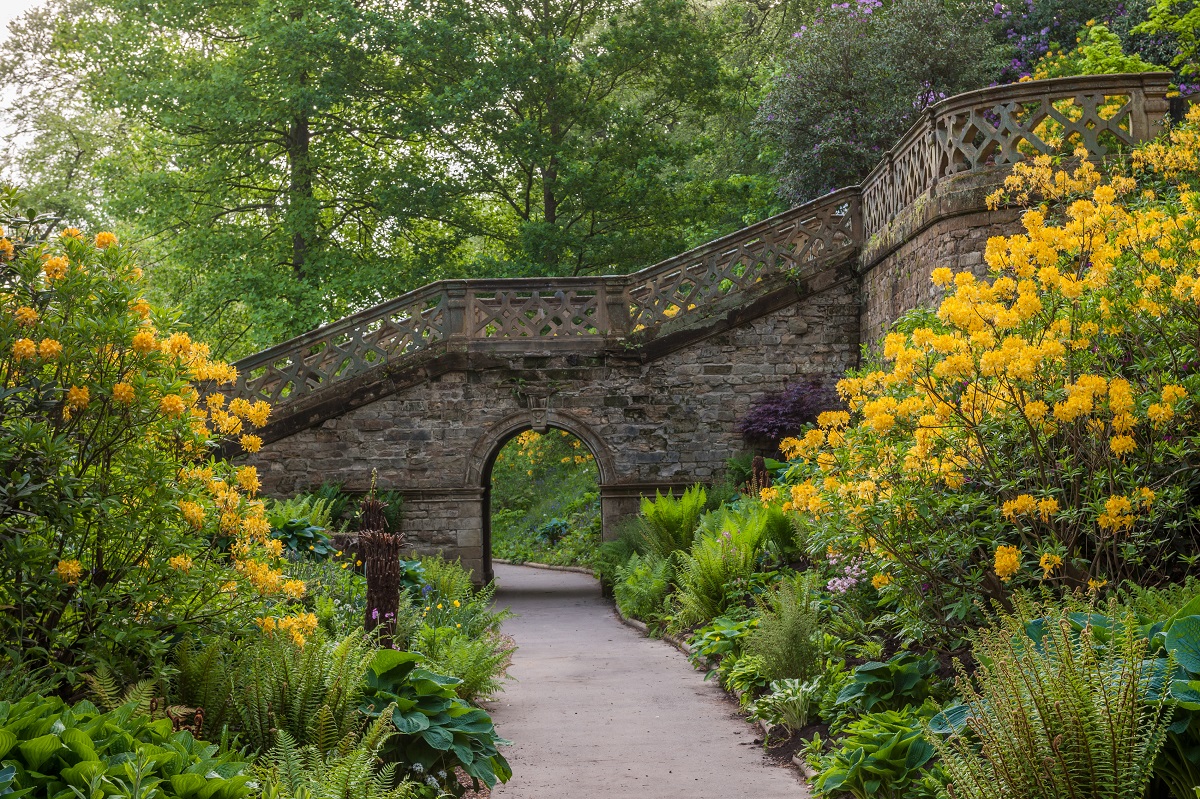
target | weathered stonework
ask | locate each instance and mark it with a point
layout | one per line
(653, 370)
(655, 424)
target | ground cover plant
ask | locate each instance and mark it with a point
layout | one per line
(1009, 487)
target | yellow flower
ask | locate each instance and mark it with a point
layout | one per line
(1022, 505)
(104, 239)
(123, 393)
(881, 580)
(145, 342)
(1094, 585)
(1007, 562)
(942, 276)
(69, 571)
(1172, 394)
(140, 307)
(294, 589)
(193, 513)
(768, 495)
(78, 397)
(251, 443)
(1049, 562)
(26, 316)
(171, 405)
(71, 233)
(1122, 445)
(457, 604)
(1160, 413)
(55, 268)
(247, 478)
(24, 349)
(180, 563)
(439, 607)
(49, 349)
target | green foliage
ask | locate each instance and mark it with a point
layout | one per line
(641, 587)
(450, 600)
(612, 555)
(478, 663)
(742, 675)
(901, 681)
(726, 551)
(437, 731)
(311, 510)
(788, 702)
(1049, 712)
(858, 75)
(1100, 52)
(56, 750)
(718, 639)
(1181, 20)
(311, 692)
(881, 756)
(290, 771)
(304, 539)
(787, 637)
(669, 523)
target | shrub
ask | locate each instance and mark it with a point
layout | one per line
(669, 522)
(478, 663)
(787, 703)
(54, 749)
(1045, 414)
(901, 681)
(857, 76)
(787, 412)
(291, 771)
(110, 499)
(725, 551)
(720, 638)
(1050, 712)
(438, 732)
(881, 756)
(787, 636)
(641, 587)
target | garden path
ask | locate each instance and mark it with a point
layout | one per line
(598, 710)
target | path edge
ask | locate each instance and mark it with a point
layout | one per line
(548, 567)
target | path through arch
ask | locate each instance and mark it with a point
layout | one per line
(597, 710)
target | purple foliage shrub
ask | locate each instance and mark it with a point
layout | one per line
(785, 413)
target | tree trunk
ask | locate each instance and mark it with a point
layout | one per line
(301, 206)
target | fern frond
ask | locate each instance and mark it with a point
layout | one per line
(105, 688)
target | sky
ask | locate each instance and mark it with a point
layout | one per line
(10, 10)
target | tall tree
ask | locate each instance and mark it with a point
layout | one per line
(573, 119)
(277, 183)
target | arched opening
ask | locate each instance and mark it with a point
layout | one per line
(549, 434)
(543, 499)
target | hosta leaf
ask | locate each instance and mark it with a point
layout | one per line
(1183, 641)
(37, 751)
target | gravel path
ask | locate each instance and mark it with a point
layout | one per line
(597, 710)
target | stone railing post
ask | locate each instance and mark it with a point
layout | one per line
(616, 306)
(457, 316)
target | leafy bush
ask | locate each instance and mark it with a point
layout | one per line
(58, 750)
(743, 676)
(669, 522)
(857, 76)
(787, 636)
(787, 703)
(438, 732)
(450, 600)
(719, 638)
(787, 412)
(901, 681)
(478, 663)
(725, 551)
(302, 539)
(641, 587)
(108, 499)
(290, 771)
(270, 684)
(1050, 712)
(881, 756)
(1045, 414)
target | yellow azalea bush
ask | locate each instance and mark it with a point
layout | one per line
(1040, 427)
(119, 530)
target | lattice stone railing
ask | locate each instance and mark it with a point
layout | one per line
(981, 129)
(554, 309)
(1004, 124)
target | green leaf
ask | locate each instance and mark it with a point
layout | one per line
(1183, 642)
(187, 784)
(37, 751)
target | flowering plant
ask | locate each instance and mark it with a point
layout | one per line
(109, 497)
(1040, 427)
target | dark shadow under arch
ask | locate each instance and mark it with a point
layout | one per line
(483, 457)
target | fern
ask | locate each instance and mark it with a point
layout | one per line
(788, 631)
(479, 662)
(726, 549)
(108, 695)
(641, 586)
(205, 679)
(669, 523)
(1053, 714)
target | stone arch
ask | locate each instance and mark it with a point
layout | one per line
(483, 457)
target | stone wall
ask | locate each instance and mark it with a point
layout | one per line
(653, 422)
